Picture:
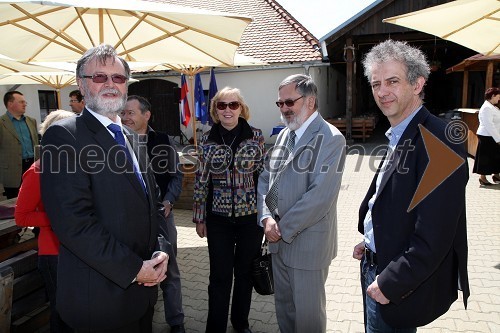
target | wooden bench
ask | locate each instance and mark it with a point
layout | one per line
(25, 301)
(361, 127)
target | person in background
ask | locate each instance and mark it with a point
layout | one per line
(231, 158)
(103, 204)
(413, 257)
(297, 195)
(487, 160)
(18, 139)
(30, 212)
(165, 164)
(76, 101)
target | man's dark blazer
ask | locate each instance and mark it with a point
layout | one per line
(106, 223)
(422, 254)
(165, 164)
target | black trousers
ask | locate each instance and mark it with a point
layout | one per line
(231, 246)
(12, 192)
(143, 325)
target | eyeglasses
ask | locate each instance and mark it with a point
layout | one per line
(232, 105)
(288, 102)
(101, 78)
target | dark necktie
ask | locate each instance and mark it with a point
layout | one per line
(272, 195)
(120, 139)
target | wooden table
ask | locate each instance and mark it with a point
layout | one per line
(8, 227)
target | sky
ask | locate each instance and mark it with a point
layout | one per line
(322, 16)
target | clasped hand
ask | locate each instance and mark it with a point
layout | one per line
(153, 271)
(271, 230)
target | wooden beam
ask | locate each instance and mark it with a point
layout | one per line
(349, 58)
(465, 89)
(489, 75)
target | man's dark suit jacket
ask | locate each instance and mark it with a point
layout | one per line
(106, 223)
(422, 254)
(165, 164)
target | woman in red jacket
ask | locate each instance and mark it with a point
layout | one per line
(31, 213)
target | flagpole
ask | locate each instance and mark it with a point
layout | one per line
(193, 113)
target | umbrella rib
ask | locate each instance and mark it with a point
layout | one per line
(152, 41)
(63, 31)
(50, 40)
(122, 39)
(42, 23)
(187, 27)
(491, 51)
(487, 16)
(82, 21)
(197, 48)
(9, 68)
(49, 11)
(167, 35)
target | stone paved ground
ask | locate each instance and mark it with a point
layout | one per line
(344, 304)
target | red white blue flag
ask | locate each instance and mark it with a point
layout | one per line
(185, 113)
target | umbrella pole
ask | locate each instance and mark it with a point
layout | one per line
(58, 96)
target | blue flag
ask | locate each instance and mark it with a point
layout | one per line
(212, 90)
(199, 100)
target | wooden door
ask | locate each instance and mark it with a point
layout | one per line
(164, 98)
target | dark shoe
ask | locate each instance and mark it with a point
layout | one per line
(244, 330)
(484, 183)
(177, 329)
(496, 179)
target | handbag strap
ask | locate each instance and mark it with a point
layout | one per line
(264, 247)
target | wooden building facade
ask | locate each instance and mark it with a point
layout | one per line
(347, 44)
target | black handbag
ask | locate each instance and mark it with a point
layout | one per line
(262, 272)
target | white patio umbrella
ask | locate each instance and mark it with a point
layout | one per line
(54, 31)
(9, 66)
(63, 30)
(15, 72)
(56, 80)
(472, 23)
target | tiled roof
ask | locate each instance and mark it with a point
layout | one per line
(274, 36)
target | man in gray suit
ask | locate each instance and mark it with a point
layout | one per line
(297, 198)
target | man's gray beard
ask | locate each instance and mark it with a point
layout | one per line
(297, 121)
(107, 108)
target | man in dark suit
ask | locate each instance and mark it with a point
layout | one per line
(165, 164)
(103, 204)
(18, 138)
(413, 257)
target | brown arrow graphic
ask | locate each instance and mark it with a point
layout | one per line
(443, 161)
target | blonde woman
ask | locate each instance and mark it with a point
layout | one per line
(225, 208)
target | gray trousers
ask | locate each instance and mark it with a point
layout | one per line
(299, 297)
(171, 286)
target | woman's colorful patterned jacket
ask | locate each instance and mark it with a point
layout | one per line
(235, 185)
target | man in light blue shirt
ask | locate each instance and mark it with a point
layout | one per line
(413, 255)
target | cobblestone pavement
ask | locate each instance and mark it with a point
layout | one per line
(344, 303)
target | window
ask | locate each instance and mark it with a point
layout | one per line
(48, 102)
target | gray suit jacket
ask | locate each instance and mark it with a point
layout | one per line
(11, 150)
(308, 191)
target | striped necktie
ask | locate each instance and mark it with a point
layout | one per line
(272, 195)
